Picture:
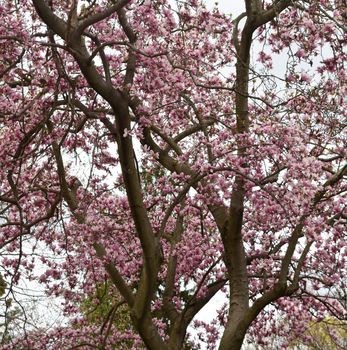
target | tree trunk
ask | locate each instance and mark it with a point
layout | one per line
(235, 332)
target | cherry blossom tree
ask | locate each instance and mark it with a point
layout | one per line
(171, 152)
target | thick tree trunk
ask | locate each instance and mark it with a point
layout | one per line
(240, 314)
(235, 332)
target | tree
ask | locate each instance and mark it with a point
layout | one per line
(152, 144)
(325, 334)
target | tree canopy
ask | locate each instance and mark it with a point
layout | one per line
(163, 152)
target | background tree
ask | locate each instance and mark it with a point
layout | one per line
(153, 145)
(326, 334)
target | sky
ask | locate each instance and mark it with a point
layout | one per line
(234, 7)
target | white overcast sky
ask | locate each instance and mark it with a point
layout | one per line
(234, 7)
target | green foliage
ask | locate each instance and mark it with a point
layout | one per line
(329, 334)
(9, 324)
(105, 307)
(151, 177)
(2, 285)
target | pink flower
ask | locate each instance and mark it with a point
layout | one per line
(305, 78)
(300, 53)
(290, 78)
(328, 28)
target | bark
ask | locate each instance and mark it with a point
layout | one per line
(119, 102)
(240, 314)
